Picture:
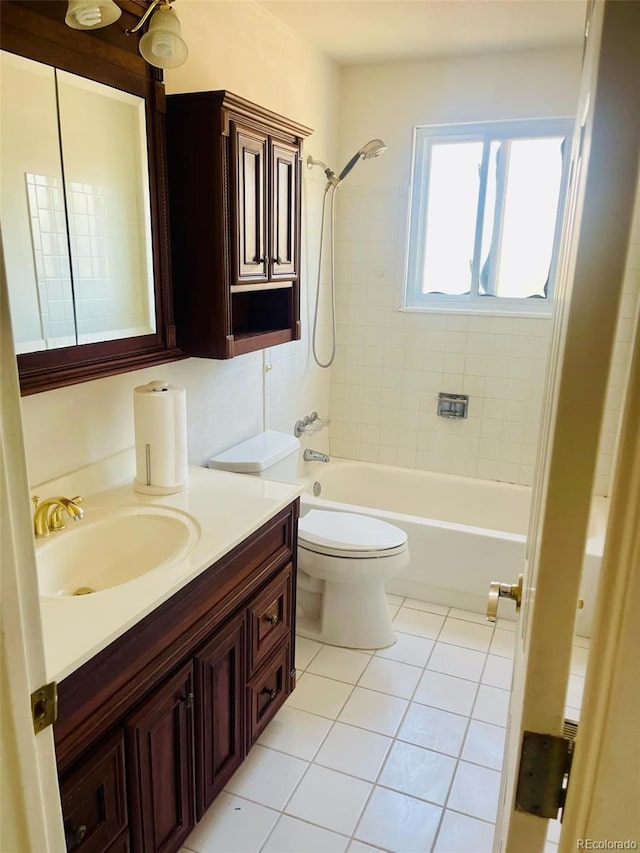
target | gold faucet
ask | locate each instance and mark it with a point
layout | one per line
(47, 516)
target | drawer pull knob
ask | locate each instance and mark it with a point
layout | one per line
(188, 700)
(271, 693)
(272, 620)
(74, 837)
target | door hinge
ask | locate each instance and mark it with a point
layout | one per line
(545, 767)
(44, 706)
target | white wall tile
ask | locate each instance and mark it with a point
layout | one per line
(500, 362)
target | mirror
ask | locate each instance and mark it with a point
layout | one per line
(83, 204)
(78, 227)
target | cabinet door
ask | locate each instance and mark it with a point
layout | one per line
(249, 207)
(94, 801)
(285, 182)
(160, 766)
(220, 679)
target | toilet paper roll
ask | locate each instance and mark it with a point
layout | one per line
(160, 420)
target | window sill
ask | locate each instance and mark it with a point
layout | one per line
(477, 311)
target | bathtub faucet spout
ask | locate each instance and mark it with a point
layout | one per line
(314, 456)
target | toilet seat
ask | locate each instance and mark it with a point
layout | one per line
(349, 535)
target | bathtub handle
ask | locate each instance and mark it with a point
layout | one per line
(499, 590)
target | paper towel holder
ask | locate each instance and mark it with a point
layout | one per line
(160, 438)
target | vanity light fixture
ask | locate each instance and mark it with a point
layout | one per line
(162, 44)
(91, 14)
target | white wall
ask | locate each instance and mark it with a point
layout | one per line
(240, 47)
(391, 365)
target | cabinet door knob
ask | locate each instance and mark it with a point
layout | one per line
(272, 620)
(271, 693)
(188, 700)
(257, 260)
(277, 260)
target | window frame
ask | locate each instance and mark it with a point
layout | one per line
(424, 136)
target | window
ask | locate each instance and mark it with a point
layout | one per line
(486, 208)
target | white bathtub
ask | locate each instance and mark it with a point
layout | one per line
(463, 533)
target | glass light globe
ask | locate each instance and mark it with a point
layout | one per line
(91, 14)
(163, 45)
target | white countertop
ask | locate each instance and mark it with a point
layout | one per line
(228, 509)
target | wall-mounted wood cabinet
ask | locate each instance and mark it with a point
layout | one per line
(234, 200)
(151, 729)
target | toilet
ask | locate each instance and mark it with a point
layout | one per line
(344, 559)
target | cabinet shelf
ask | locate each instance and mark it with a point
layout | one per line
(235, 223)
(253, 341)
(270, 285)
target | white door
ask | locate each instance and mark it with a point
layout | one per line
(599, 211)
(31, 818)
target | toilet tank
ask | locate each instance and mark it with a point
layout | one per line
(270, 454)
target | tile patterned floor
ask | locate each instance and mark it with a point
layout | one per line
(399, 750)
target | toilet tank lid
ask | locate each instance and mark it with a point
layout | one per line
(349, 531)
(257, 453)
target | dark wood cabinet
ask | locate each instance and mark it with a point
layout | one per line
(285, 255)
(94, 798)
(267, 690)
(152, 728)
(121, 845)
(249, 213)
(159, 736)
(234, 202)
(220, 679)
(270, 617)
(37, 31)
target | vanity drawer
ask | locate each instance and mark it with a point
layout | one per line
(270, 618)
(267, 691)
(93, 797)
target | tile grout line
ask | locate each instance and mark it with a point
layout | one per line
(464, 740)
(393, 738)
(310, 762)
(462, 743)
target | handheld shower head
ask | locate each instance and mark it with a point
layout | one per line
(373, 148)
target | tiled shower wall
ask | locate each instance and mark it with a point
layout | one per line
(391, 364)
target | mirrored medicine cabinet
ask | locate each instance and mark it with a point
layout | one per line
(82, 199)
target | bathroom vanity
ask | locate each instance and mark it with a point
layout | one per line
(152, 726)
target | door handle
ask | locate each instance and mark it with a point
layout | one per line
(499, 590)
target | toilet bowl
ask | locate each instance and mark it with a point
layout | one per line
(344, 561)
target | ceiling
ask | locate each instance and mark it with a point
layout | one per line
(354, 32)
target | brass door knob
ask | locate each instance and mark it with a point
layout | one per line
(499, 590)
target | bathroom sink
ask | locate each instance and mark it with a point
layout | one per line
(109, 548)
